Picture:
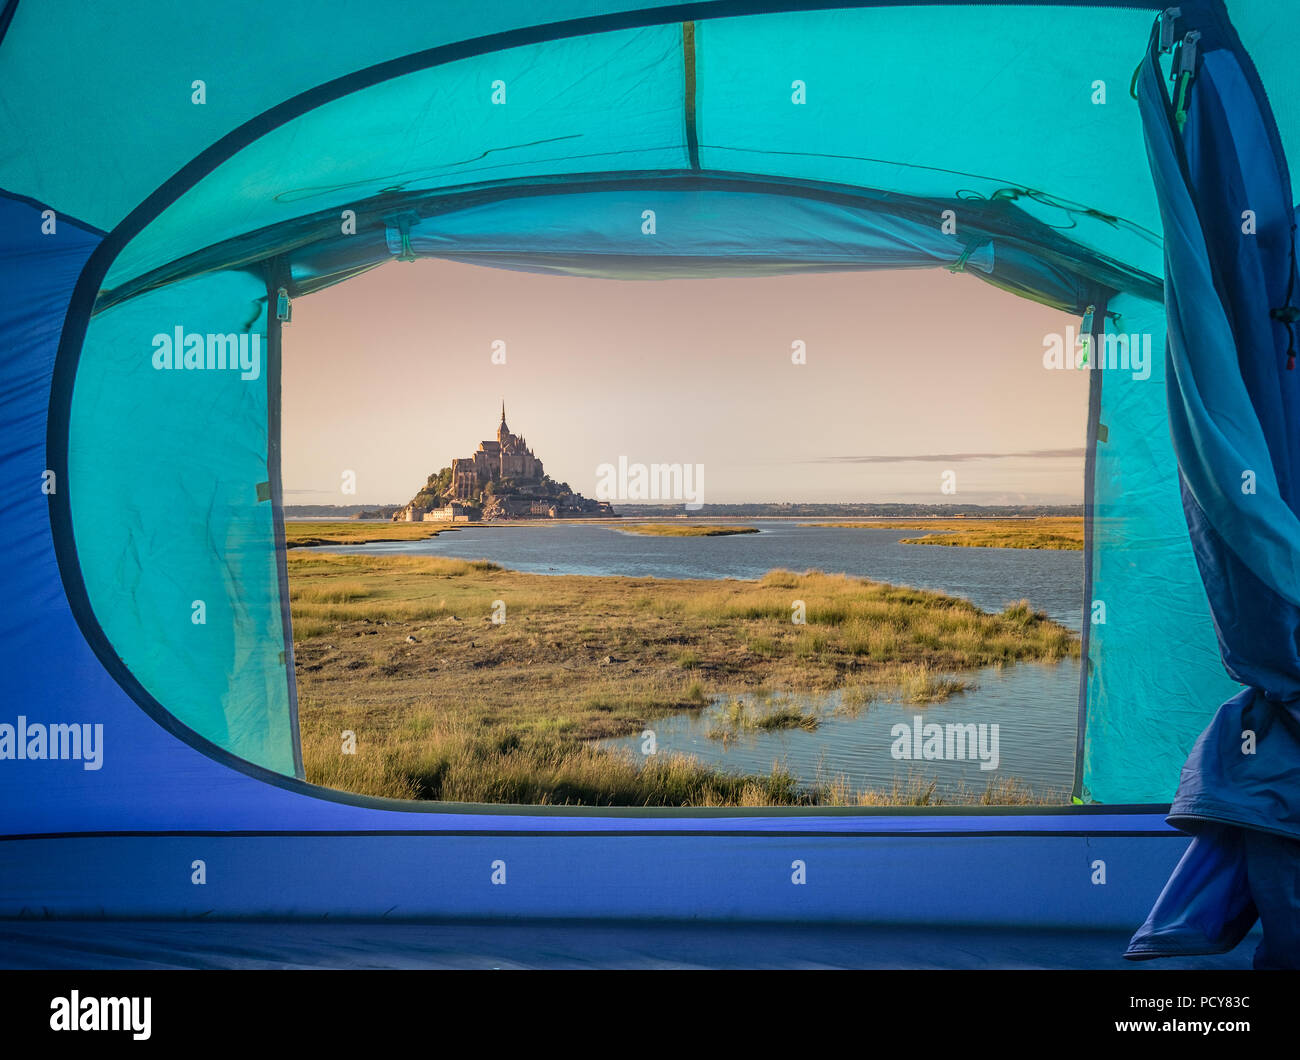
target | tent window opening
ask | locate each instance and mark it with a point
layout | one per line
(799, 539)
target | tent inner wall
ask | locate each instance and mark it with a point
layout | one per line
(830, 97)
(172, 513)
(1153, 673)
(165, 467)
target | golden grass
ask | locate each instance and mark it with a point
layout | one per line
(921, 791)
(304, 534)
(1049, 532)
(449, 704)
(762, 713)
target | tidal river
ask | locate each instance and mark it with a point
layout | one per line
(1034, 706)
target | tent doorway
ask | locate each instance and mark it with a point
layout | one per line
(748, 620)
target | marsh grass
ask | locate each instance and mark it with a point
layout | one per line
(448, 705)
(452, 757)
(918, 790)
(306, 534)
(334, 593)
(740, 715)
(1047, 532)
(911, 683)
(920, 684)
(854, 699)
(680, 530)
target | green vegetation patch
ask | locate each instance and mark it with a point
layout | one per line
(685, 530)
(1047, 532)
(306, 534)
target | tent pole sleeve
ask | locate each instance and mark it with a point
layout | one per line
(277, 277)
(1095, 342)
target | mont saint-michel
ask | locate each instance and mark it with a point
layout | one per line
(503, 479)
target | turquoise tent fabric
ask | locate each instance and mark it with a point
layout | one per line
(176, 172)
(1230, 281)
(177, 548)
(1145, 592)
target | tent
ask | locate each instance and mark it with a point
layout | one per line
(173, 177)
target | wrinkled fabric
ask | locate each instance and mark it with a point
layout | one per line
(1235, 419)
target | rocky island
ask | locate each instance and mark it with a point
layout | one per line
(504, 479)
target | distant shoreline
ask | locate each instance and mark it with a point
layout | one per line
(1058, 533)
(757, 510)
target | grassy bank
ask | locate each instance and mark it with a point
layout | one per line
(347, 532)
(448, 704)
(1063, 532)
(304, 534)
(680, 530)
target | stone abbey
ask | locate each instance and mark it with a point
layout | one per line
(508, 457)
(503, 479)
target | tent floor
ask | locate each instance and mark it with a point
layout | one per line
(562, 944)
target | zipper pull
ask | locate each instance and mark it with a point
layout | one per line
(1184, 71)
(283, 307)
(1085, 336)
(1167, 20)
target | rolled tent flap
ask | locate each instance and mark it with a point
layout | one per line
(661, 234)
(726, 227)
(1206, 906)
(1234, 407)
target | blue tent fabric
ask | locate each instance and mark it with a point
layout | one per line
(41, 258)
(384, 111)
(1229, 879)
(1234, 399)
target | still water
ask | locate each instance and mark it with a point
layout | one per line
(1033, 707)
(989, 577)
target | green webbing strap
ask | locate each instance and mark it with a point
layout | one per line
(960, 264)
(689, 93)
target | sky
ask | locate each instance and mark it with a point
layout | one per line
(909, 375)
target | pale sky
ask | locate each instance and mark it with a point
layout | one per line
(908, 374)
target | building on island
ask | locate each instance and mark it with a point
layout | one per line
(452, 513)
(503, 479)
(505, 457)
